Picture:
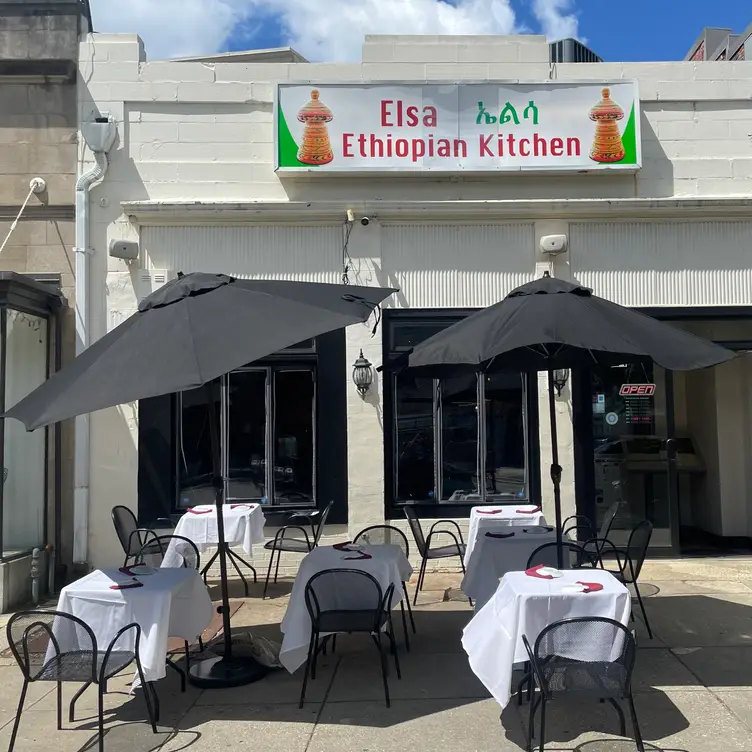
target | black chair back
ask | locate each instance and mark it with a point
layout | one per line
(574, 556)
(322, 522)
(637, 549)
(584, 655)
(35, 639)
(384, 535)
(126, 527)
(608, 520)
(339, 599)
(185, 550)
(414, 522)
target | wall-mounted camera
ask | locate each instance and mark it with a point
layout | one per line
(365, 221)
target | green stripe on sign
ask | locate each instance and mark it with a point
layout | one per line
(629, 141)
(288, 149)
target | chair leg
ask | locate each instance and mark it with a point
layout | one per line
(523, 683)
(309, 659)
(178, 670)
(543, 724)
(59, 706)
(409, 608)
(462, 564)
(315, 654)
(100, 715)
(239, 558)
(18, 715)
(635, 724)
(531, 725)
(237, 569)
(75, 699)
(622, 722)
(201, 644)
(642, 608)
(380, 646)
(404, 625)
(147, 689)
(268, 574)
(276, 569)
(419, 584)
(187, 657)
(393, 642)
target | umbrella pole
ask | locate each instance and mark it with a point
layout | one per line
(226, 670)
(555, 469)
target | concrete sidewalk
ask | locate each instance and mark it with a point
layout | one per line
(693, 687)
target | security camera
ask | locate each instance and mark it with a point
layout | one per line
(365, 221)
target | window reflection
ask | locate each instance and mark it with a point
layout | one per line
(459, 438)
(414, 437)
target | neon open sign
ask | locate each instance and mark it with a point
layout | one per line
(637, 390)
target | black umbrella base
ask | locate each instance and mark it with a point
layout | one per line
(219, 672)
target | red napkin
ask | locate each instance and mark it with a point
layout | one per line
(354, 558)
(529, 511)
(499, 535)
(344, 546)
(200, 511)
(242, 506)
(127, 587)
(128, 571)
(533, 572)
(490, 511)
(591, 587)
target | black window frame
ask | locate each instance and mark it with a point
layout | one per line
(393, 508)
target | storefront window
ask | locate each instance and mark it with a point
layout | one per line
(25, 453)
(442, 444)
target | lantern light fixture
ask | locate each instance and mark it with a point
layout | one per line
(561, 376)
(362, 375)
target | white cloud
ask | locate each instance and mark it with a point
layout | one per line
(555, 21)
(318, 29)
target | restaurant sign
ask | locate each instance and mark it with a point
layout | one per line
(458, 127)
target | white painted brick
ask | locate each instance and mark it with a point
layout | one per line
(243, 72)
(712, 70)
(742, 168)
(216, 92)
(215, 173)
(742, 110)
(659, 112)
(377, 53)
(123, 52)
(112, 72)
(724, 149)
(686, 187)
(326, 72)
(457, 72)
(518, 72)
(140, 92)
(263, 91)
(739, 88)
(668, 71)
(177, 72)
(702, 168)
(426, 53)
(201, 133)
(696, 90)
(533, 53)
(157, 172)
(204, 153)
(740, 129)
(693, 130)
(589, 71)
(724, 187)
(146, 133)
(483, 52)
(393, 71)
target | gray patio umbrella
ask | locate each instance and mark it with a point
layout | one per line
(189, 332)
(549, 324)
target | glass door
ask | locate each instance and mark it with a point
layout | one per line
(634, 450)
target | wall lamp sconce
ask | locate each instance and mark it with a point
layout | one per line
(362, 374)
(561, 376)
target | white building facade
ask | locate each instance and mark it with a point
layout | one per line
(214, 171)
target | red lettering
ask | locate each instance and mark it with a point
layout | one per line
(401, 147)
(540, 149)
(386, 112)
(573, 147)
(524, 147)
(557, 147)
(460, 147)
(430, 117)
(347, 145)
(419, 148)
(484, 142)
(412, 116)
(510, 145)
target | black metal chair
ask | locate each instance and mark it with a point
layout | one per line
(440, 552)
(628, 560)
(575, 556)
(348, 601)
(283, 542)
(577, 523)
(186, 555)
(38, 642)
(378, 535)
(132, 538)
(558, 670)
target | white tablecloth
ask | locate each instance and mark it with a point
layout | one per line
(493, 557)
(172, 603)
(491, 517)
(244, 526)
(388, 566)
(524, 605)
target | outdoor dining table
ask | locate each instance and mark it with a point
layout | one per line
(168, 603)
(506, 515)
(387, 564)
(499, 550)
(244, 527)
(525, 605)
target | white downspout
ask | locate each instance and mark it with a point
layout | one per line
(99, 137)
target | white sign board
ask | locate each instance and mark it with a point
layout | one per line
(458, 127)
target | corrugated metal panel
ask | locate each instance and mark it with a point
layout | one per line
(456, 266)
(308, 253)
(665, 263)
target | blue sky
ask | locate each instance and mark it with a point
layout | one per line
(333, 30)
